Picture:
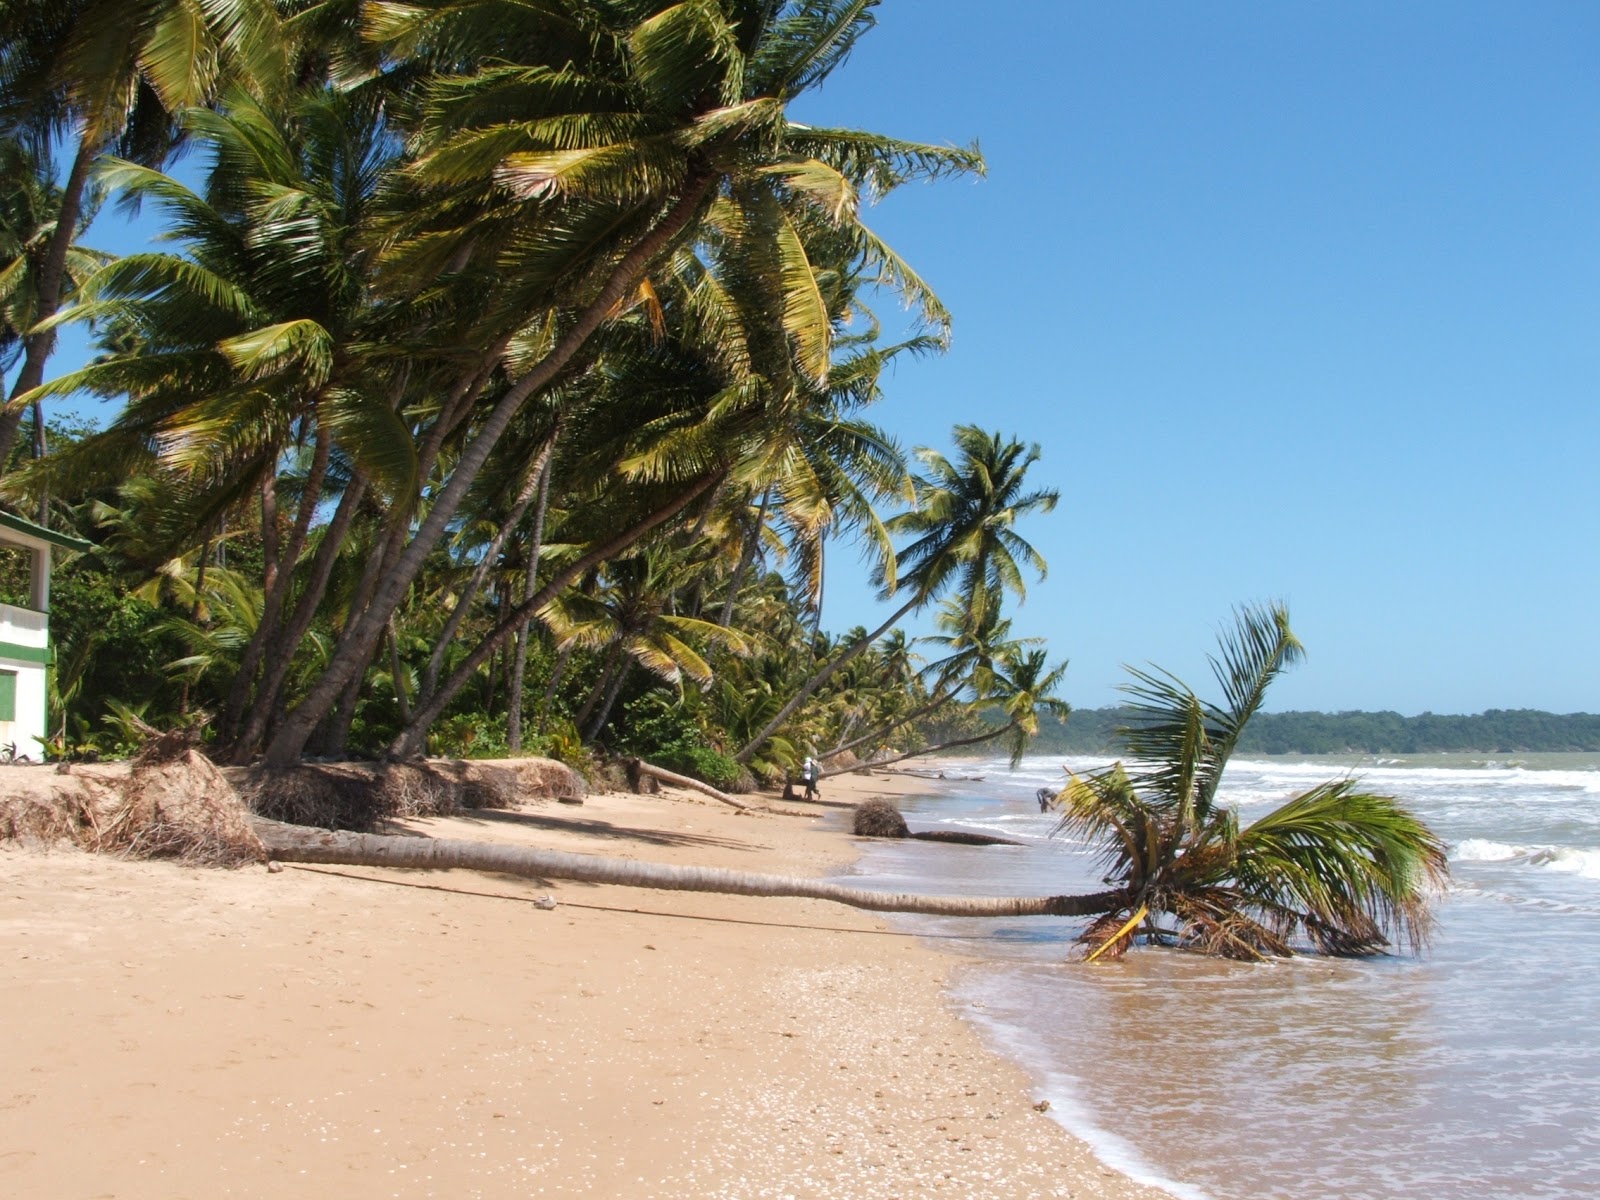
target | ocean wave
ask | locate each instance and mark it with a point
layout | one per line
(1566, 859)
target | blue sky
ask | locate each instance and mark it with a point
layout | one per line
(1299, 301)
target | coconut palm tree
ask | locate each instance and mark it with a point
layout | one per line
(583, 149)
(293, 843)
(30, 205)
(260, 360)
(102, 76)
(961, 532)
(1346, 869)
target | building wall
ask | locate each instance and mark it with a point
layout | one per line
(24, 647)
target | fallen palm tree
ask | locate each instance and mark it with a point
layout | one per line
(1340, 868)
(880, 819)
(289, 843)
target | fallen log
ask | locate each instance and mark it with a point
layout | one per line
(293, 843)
(654, 772)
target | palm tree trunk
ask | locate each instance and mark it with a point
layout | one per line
(396, 669)
(557, 674)
(639, 766)
(277, 647)
(333, 733)
(52, 273)
(269, 529)
(950, 745)
(290, 738)
(39, 448)
(612, 663)
(530, 580)
(294, 843)
(822, 676)
(530, 489)
(624, 668)
(917, 714)
(410, 739)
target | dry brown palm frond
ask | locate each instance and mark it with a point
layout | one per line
(357, 796)
(178, 807)
(880, 819)
(1108, 936)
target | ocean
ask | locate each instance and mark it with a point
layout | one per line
(1471, 1072)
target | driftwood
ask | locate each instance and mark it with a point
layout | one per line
(640, 767)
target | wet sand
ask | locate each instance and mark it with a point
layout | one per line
(175, 1032)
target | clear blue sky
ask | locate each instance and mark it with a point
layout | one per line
(1300, 302)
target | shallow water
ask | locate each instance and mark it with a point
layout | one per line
(1471, 1072)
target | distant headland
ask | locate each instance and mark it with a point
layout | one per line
(1496, 731)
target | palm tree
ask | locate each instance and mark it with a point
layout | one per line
(101, 77)
(30, 204)
(1347, 869)
(260, 364)
(962, 531)
(580, 157)
(1011, 684)
(293, 843)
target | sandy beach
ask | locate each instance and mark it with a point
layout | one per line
(178, 1032)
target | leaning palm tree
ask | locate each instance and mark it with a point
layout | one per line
(962, 532)
(1343, 868)
(582, 147)
(99, 75)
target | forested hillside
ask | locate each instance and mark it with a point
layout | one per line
(1497, 731)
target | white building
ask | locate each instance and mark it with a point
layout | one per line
(25, 652)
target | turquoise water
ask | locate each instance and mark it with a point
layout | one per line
(1472, 1072)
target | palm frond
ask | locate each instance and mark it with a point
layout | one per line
(1354, 868)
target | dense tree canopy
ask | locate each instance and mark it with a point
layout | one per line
(502, 380)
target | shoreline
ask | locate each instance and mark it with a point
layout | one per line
(174, 1031)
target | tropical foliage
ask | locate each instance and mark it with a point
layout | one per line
(501, 383)
(1345, 869)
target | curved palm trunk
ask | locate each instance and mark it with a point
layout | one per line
(530, 581)
(975, 740)
(916, 714)
(563, 661)
(611, 667)
(52, 271)
(480, 573)
(821, 677)
(613, 690)
(408, 743)
(752, 543)
(352, 657)
(294, 843)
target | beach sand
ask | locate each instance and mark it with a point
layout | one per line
(175, 1032)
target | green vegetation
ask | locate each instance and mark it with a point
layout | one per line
(1346, 869)
(1497, 731)
(500, 385)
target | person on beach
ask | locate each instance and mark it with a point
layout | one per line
(809, 774)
